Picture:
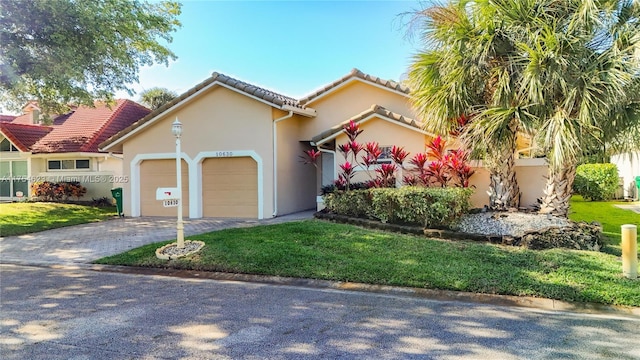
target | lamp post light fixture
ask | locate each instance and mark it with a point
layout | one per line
(176, 129)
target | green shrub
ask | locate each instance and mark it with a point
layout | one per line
(596, 181)
(428, 207)
(351, 203)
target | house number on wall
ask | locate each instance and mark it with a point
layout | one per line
(223, 154)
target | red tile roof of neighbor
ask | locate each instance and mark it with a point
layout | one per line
(78, 131)
(23, 136)
(6, 118)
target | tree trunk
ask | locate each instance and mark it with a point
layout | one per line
(558, 190)
(504, 192)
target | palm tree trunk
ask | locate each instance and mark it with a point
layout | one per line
(558, 190)
(504, 192)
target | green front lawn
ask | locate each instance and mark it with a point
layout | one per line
(25, 217)
(322, 250)
(608, 215)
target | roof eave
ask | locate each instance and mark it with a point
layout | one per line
(119, 138)
(319, 95)
(320, 139)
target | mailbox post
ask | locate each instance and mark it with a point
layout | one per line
(176, 129)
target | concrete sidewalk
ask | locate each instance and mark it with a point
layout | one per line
(88, 242)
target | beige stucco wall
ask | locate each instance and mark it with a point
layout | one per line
(296, 181)
(530, 174)
(351, 100)
(218, 120)
(104, 174)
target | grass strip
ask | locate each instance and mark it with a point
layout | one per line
(320, 250)
(25, 217)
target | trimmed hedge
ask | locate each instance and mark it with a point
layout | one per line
(427, 207)
(596, 181)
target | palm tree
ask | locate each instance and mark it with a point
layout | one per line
(587, 56)
(469, 71)
(563, 67)
(156, 97)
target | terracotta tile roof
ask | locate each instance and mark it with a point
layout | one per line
(354, 74)
(278, 100)
(373, 110)
(7, 118)
(23, 136)
(80, 130)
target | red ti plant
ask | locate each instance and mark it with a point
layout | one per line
(410, 180)
(436, 147)
(344, 149)
(457, 160)
(446, 166)
(311, 157)
(352, 129)
(419, 160)
(439, 171)
(347, 173)
(387, 174)
(355, 148)
(373, 153)
(459, 123)
(398, 154)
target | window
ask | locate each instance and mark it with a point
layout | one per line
(54, 165)
(13, 178)
(385, 158)
(68, 164)
(6, 145)
(82, 164)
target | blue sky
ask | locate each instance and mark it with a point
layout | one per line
(291, 47)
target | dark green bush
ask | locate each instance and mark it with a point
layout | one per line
(428, 207)
(596, 181)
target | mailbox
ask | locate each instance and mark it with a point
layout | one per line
(168, 193)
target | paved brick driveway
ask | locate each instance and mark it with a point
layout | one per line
(88, 242)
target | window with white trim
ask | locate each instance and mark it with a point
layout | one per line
(6, 145)
(72, 164)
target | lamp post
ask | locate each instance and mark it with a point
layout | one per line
(176, 129)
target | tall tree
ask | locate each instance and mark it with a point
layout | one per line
(65, 51)
(562, 67)
(467, 70)
(156, 97)
(583, 65)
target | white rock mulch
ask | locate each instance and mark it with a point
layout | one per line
(507, 223)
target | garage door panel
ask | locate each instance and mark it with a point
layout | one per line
(161, 173)
(230, 187)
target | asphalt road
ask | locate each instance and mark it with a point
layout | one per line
(81, 314)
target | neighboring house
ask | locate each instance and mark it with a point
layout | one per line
(241, 145)
(65, 150)
(628, 169)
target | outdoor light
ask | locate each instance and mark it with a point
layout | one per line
(176, 128)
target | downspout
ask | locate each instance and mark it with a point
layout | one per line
(106, 156)
(275, 162)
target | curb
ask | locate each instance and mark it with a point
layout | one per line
(428, 294)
